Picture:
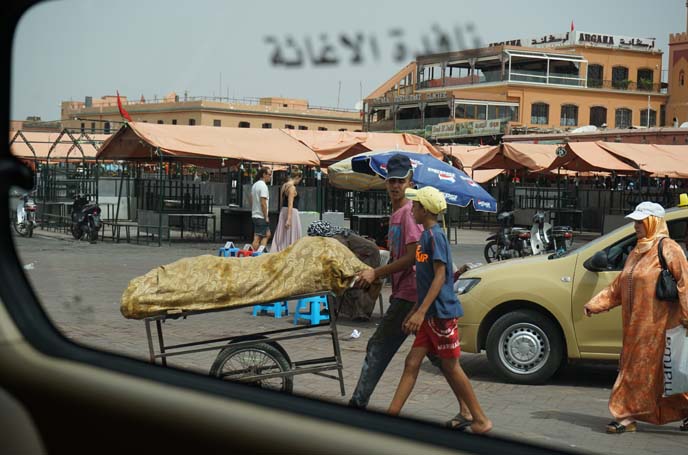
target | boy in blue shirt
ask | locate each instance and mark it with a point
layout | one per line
(434, 318)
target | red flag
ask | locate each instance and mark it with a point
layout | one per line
(572, 25)
(123, 111)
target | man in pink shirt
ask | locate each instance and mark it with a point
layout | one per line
(403, 237)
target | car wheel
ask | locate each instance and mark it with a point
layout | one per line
(525, 347)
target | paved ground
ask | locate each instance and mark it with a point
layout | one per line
(80, 285)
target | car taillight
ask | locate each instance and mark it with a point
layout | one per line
(567, 235)
(31, 208)
(525, 235)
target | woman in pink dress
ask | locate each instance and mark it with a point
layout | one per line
(288, 228)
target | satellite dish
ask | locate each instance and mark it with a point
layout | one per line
(684, 125)
(359, 105)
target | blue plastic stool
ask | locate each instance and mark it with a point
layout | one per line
(230, 251)
(316, 304)
(277, 308)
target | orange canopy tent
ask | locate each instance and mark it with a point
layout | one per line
(205, 145)
(333, 146)
(468, 155)
(589, 156)
(657, 160)
(533, 157)
(43, 146)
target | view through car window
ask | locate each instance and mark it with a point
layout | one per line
(356, 202)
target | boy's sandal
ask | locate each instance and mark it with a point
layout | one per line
(617, 428)
(684, 425)
(458, 422)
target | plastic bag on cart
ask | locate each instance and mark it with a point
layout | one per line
(206, 283)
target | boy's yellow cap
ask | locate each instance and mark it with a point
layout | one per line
(429, 197)
(683, 200)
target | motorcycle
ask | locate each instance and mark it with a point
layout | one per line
(85, 218)
(511, 242)
(25, 220)
(545, 238)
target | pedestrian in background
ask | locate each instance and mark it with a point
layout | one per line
(288, 228)
(637, 392)
(260, 202)
(433, 319)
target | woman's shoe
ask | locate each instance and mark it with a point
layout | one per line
(617, 428)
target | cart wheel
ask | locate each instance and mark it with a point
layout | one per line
(236, 363)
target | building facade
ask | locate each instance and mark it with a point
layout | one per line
(102, 115)
(677, 108)
(555, 83)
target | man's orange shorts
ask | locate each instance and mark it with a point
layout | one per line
(440, 337)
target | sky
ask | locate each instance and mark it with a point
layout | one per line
(331, 53)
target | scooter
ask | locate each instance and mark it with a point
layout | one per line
(85, 218)
(25, 219)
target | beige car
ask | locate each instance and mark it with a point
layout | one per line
(528, 313)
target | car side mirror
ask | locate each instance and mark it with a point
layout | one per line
(598, 262)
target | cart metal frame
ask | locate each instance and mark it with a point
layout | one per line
(315, 366)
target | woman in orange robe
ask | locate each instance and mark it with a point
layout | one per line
(637, 392)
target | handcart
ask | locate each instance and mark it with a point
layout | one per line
(257, 358)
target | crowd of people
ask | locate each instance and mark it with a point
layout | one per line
(424, 304)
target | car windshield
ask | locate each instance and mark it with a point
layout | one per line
(193, 188)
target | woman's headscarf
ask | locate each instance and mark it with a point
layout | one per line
(655, 228)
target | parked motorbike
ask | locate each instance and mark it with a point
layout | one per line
(511, 242)
(85, 218)
(25, 219)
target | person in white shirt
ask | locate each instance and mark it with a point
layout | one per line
(259, 199)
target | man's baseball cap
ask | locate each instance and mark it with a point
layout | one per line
(429, 197)
(398, 167)
(645, 209)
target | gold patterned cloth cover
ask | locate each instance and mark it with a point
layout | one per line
(206, 283)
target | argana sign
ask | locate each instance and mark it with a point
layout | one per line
(583, 38)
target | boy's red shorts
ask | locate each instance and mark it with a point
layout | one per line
(440, 337)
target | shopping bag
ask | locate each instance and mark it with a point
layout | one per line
(675, 361)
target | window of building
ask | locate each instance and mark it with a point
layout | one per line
(83, 127)
(643, 117)
(289, 127)
(322, 128)
(93, 127)
(623, 118)
(645, 79)
(192, 121)
(569, 115)
(106, 127)
(303, 127)
(598, 116)
(266, 125)
(539, 114)
(662, 115)
(343, 129)
(244, 125)
(595, 75)
(174, 121)
(481, 111)
(161, 122)
(217, 122)
(620, 77)
(681, 78)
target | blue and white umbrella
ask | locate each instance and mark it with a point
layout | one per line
(458, 188)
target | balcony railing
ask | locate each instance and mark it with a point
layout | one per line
(625, 85)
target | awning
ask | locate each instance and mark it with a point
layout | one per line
(205, 145)
(657, 160)
(468, 155)
(331, 146)
(589, 156)
(42, 143)
(534, 157)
